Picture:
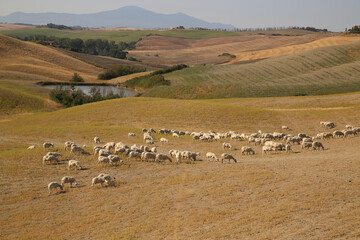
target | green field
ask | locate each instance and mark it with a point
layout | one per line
(117, 36)
(326, 70)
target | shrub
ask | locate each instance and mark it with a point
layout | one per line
(147, 81)
(76, 78)
(120, 70)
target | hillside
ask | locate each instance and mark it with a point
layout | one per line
(33, 62)
(172, 50)
(323, 70)
(304, 194)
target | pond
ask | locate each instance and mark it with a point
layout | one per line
(104, 90)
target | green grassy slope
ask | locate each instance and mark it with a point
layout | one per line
(324, 70)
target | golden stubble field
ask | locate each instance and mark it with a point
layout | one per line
(301, 195)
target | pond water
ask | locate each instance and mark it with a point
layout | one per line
(104, 90)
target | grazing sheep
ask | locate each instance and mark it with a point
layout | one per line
(50, 158)
(212, 156)
(307, 140)
(288, 148)
(54, 154)
(327, 124)
(247, 150)
(31, 147)
(55, 185)
(148, 156)
(131, 135)
(98, 180)
(162, 157)
(267, 148)
(349, 133)
(175, 135)
(306, 145)
(77, 150)
(349, 127)
(338, 134)
(228, 157)
(103, 160)
(96, 140)
(68, 145)
(317, 145)
(327, 135)
(114, 159)
(302, 135)
(149, 142)
(110, 145)
(68, 179)
(96, 149)
(285, 128)
(134, 154)
(178, 157)
(74, 164)
(164, 140)
(47, 145)
(227, 146)
(294, 140)
(104, 153)
(153, 150)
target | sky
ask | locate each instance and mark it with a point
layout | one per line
(334, 15)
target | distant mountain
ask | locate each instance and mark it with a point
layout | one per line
(131, 16)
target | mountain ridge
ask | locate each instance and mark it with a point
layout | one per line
(129, 16)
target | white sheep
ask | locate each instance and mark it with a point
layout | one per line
(288, 148)
(31, 147)
(103, 160)
(175, 135)
(317, 145)
(114, 159)
(227, 146)
(268, 148)
(162, 157)
(56, 154)
(211, 156)
(285, 128)
(131, 135)
(110, 145)
(104, 152)
(47, 145)
(96, 140)
(98, 180)
(68, 179)
(228, 157)
(77, 150)
(134, 154)
(306, 145)
(153, 149)
(247, 150)
(55, 185)
(50, 159)
(164, 140)
(74, 164)
(148, 156)
(68, 145)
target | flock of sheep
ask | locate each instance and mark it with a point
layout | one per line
(108, 154)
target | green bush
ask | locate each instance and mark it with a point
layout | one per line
(76, 78)
(118, 71)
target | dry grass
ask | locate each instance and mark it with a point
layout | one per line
(302, 195)
(176, 50)
(29, 61)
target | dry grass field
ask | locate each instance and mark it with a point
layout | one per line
(304, 194)
(177, 50)
(33, 62)
(301, 195)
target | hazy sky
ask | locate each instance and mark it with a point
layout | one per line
(334, 15)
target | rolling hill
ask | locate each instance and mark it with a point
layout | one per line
(33, 62)
(322, 70)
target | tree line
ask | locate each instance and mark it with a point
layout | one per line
(89, 46)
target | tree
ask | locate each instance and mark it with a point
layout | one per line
(76, 78)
